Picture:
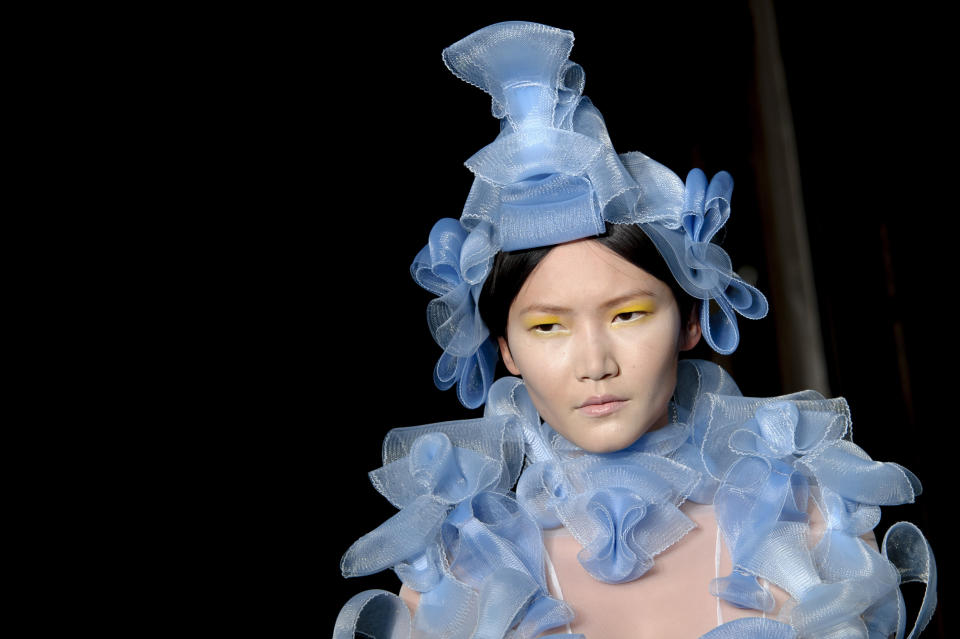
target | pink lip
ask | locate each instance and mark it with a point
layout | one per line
(600, 405)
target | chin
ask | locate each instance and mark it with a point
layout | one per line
(607, 442)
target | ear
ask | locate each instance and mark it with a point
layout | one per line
(507, 357)
(690, 336)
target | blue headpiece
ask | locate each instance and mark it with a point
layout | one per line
(552, 176)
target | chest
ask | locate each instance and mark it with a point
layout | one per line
(672, 600)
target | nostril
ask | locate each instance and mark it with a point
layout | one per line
(595, 359)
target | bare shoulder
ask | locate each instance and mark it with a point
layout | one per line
(410, 597)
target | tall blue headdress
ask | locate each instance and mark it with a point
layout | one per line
(552, 176)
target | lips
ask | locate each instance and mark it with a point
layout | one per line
(600, 405)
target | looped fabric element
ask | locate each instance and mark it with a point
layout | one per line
(553, 176)
(451, 267)
(460, 538)
(475, 552)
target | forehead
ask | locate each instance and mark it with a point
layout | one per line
(584, 273)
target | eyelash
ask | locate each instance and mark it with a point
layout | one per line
(639, 315)
(538, 328)
(623, 317)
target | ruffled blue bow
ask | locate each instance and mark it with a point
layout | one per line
(425, 484)
(708, 269)
(682, 220)
(460, 538)
(621, 507)
(452, 266)
(770, 465)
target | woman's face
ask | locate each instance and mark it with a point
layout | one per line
(596, 340)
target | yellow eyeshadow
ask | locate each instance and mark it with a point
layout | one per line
(646, 307)
(536, 320)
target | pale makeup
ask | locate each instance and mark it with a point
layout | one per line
(596, 340)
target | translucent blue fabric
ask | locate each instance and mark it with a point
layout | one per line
(451, 267)
(460, 538)
(474, 549)
(552, 176)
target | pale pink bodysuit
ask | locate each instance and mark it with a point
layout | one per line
(671, 601)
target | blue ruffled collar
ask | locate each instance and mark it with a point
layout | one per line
(474, 549)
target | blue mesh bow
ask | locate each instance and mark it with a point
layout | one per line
(453, 267)
(769, 464)
(702, 268)
(460, 538)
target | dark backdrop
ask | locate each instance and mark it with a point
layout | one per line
(875, 158)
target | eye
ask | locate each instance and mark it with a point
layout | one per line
(629, 316)
(546, 328)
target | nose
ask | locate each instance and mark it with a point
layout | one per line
(595, 357)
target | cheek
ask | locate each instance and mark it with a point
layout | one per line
(653, 362)
(548, 401)
(536, 357)
(542, 369)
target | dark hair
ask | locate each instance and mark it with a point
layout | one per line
(511, 270)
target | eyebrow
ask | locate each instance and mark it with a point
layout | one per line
(616, 301)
